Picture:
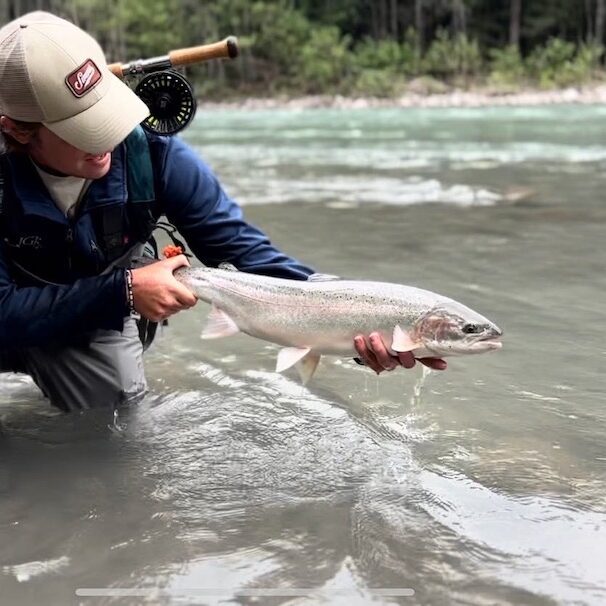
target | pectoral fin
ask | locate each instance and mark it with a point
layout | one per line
(402, 341)
(289, 356)
(219, 325)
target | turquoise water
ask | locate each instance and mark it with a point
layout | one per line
(484, 484)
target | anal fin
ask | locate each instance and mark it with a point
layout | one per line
(289, 356)
(302, 358)
(307, 366)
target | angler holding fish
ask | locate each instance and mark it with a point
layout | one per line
(82, 187)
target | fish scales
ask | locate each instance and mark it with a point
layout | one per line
(324, 316)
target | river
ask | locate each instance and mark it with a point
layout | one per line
(482, 484)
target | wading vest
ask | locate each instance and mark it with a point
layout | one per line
(41, 250)
(115, 228)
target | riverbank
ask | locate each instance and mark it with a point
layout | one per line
(588, 95)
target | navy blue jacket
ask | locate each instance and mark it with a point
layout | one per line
(83, 299)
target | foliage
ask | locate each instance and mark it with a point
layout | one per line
(149, 26)
(390, 55)
(324, 60)
(559, 63)
(377, 83)
(412, 57)
(589, 60)
(507, 68)
(550, 63)
(450, 56)
(379, 54)
(279, 36)
(351, 46)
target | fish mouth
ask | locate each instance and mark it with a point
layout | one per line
(488, 343)
(491, 343)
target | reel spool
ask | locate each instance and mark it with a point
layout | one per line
(170, 99)
(168, 95)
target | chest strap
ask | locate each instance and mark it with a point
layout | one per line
(139, 168)
(138, 214)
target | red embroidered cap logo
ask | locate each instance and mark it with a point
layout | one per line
(83, 78)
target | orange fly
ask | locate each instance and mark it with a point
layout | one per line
(171, 251)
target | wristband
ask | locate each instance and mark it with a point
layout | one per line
(130, 298)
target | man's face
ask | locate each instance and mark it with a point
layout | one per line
(50, 151)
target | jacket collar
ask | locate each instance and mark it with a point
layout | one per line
(35, 198)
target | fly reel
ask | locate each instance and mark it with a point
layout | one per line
(170, 99)
(168, 94)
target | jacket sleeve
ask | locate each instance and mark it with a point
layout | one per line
(35, 316)
(210, 221)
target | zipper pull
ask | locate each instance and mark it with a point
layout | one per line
(69, 239)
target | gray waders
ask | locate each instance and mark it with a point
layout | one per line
(104, 370)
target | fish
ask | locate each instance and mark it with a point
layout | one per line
(322, 315)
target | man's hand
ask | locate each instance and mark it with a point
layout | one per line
(375, 355)
(157, 294)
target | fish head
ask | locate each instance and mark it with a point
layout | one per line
(453, 329)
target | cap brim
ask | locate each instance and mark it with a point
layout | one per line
(105, 124)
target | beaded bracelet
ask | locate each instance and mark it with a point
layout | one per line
(130, 298)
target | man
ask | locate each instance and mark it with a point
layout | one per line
(76, 207)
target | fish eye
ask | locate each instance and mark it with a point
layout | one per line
(472, 329)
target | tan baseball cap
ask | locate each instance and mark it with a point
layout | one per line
(53, 72)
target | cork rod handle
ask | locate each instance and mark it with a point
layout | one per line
(116, 69)
(225, 49)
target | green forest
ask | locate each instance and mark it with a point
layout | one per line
(354, 47)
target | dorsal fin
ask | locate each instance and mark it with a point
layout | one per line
(228, 266)
(322, 278)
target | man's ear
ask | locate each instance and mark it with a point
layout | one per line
(9, 127)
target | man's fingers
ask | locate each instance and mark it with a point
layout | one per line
(187, 303)
(376, 356)
(366, 354)
(182, 294)
(382, 355)
(186, 298)
(406, 359)
(175, 262)
(434, 363)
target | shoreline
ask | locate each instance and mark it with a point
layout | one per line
(457, 98)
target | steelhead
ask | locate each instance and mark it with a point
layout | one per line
(322, 316)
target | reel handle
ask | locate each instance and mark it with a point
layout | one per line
(224, 49)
